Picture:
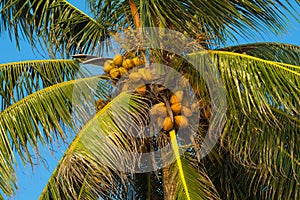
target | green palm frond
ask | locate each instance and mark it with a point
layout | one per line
(66, 29)
(263, 100)
(237, 180)
(256, 84)
(262, 127)
(278, 52)
(217, 20)
(88, 166)
(270, 149)
(191, 181)
(43, 116)
(253, 85)
(8, 178)
(20, 79)
(198, 182)
(59, 25)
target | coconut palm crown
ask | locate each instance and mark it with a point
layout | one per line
(257, 155)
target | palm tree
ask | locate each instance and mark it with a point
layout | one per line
(256, 157)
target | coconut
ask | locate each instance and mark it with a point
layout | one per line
(128, 63)
(154, 108)
(147, 75)
(194, 107)
(108, 68)
(181, 121)
(135, 77)
(162, 111)
(177, 97)
(186, 111)
(137, 61)
(108, 65)
(122, 71)
(141, 89)
(174, 99)
(114, 73)
(168, 125)
(176, 108)
(118, 59)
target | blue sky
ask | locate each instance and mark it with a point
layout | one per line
(31, 183)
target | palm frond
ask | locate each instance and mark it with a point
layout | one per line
(215, 20)
(278, 52)
(192, 183)
(262, 146)
(20, 79)
(8, 178)
(58, 24)
(66, 29)
(43, 116)
(261, 128)
(256, 85)
(267, 90)
(237, 180)
(89, 164)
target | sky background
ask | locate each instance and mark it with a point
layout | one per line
(31, 183)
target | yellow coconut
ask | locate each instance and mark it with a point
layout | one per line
(128, 63)
(168, 125)
(194, 107)
(162, 111)
(154, 108)
(174, 99)
(177, 97)
(107, 68)
(135, 77)
(146, 73)
(137, 61)
(186, 111)
(108, 65)
(176, 108)
(114, 73)
(149, 75)
(122, 71)
(181, 121)
(118, 59)
(141, 89)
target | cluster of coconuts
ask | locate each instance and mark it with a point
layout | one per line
(120, 65)
(137, 79)
(181, 113)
